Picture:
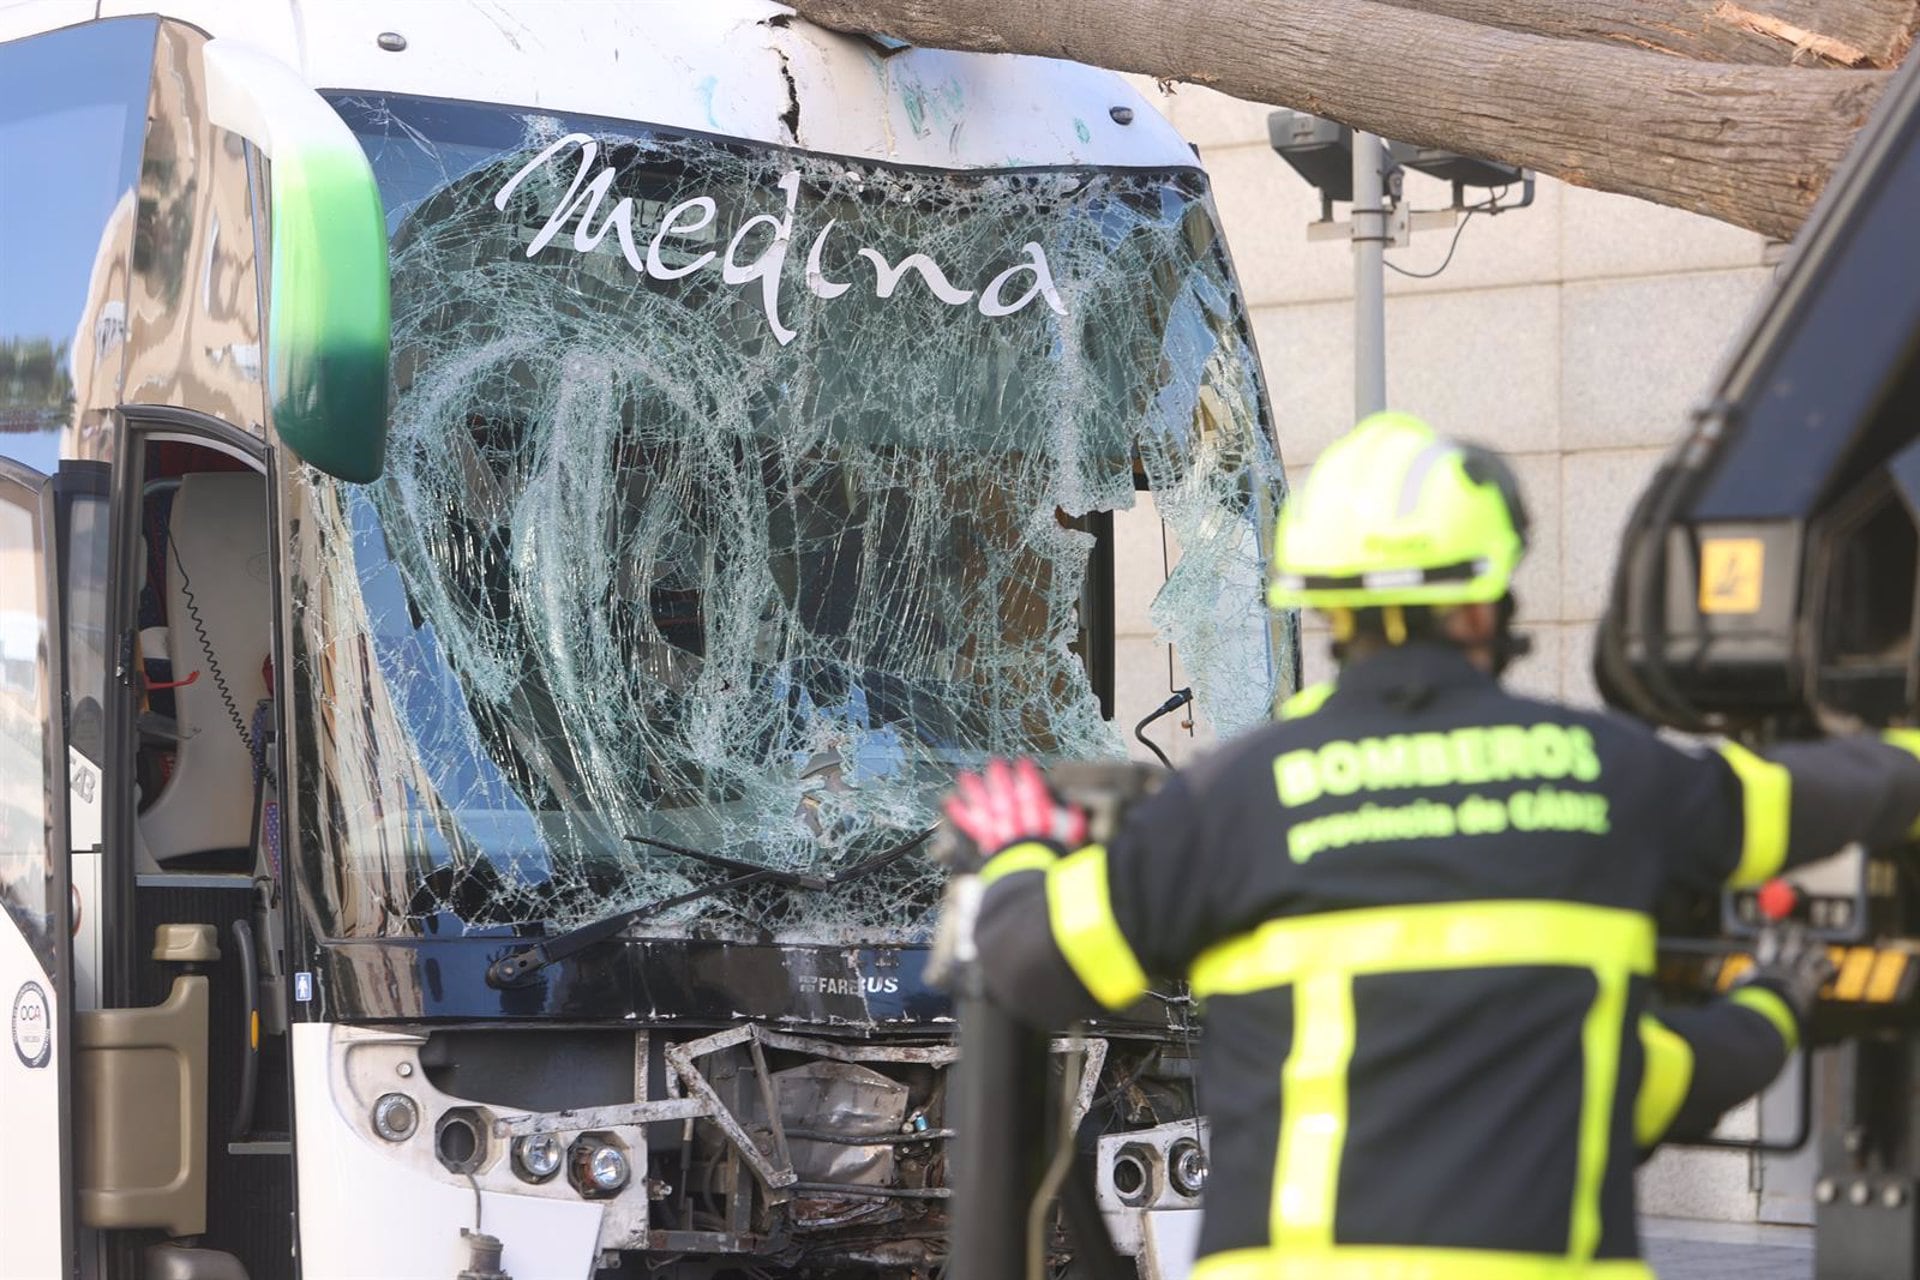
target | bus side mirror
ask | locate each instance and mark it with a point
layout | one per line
(328, 328)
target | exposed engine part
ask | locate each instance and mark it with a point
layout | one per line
(854, 1133)
(850, 1101)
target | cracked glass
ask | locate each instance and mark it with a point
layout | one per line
(730, 506)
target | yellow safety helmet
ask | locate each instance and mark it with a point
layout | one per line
(1394, 513)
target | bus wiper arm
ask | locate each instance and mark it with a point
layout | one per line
(795, 879)
(515, 968)
(791, 879)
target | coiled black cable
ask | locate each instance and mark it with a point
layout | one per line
(206, 646)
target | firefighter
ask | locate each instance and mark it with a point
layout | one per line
(1417, 907)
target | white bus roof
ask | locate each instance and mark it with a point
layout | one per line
(739, 68)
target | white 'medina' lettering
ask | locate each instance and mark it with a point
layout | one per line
(585, 194)
(766, 267)
(817, 282)
(887, 276)
(669, 225)
(990, 300)
(621, 215)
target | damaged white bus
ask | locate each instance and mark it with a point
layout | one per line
(510, 517)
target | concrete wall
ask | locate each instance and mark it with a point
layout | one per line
(1574, 335)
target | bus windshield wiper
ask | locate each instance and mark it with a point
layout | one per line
(793, 879)
(517, 967)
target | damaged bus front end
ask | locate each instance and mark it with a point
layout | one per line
(767, 410)
(735, 497)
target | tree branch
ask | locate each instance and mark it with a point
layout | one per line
(1858, 34)
(1749, 145)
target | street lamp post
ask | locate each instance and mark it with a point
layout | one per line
(1370, 234)
(1347, 166)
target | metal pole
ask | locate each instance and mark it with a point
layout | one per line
(1369, 275)
(998, 1101)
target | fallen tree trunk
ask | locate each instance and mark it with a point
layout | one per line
(1857, 34)
(1748, 145)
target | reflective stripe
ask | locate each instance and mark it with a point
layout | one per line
(1771, 1006)
(1313, 1113)
(1664, 1083)
(1444, 935)
(1908, 740)
(1417, 472)
(1307, 701)
(1766, 799)
(1600, 1059)
(1080, 911)
(1380, 1262)
(1031, 856)
(1320, 955)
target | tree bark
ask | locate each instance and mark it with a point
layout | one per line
(1858, 34)
(1749, 145)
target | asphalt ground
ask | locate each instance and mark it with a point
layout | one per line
(1681, 1250)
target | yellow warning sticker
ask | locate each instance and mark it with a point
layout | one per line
(1862, 974)
(1884, 984)
(1851, 982)
(1730, 574)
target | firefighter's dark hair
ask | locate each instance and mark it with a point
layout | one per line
(1375, 627)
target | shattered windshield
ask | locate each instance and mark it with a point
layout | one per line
(734, 498)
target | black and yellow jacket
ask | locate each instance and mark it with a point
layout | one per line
(1419, 918)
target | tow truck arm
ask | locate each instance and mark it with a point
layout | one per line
(1768, 587)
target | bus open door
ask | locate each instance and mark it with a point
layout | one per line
(36, 954)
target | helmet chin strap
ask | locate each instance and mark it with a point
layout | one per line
(1507, 646)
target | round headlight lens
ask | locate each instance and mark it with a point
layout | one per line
(537, 1157)
(607, 1169)
(599, 1169)
(1187, 1165)
(395, 1117)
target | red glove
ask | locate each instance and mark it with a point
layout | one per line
(1010, 805)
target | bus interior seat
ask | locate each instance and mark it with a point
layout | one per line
(218, 623)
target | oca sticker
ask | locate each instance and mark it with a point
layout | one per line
(32, 1026)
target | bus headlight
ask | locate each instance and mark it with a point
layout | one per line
(537, 1157)
(1187, 1166)
(598, 1168)
(395, 1117)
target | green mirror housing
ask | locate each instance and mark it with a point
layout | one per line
(328, 325)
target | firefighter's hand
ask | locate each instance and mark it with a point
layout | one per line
(1793, 964)
(1012, 804)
